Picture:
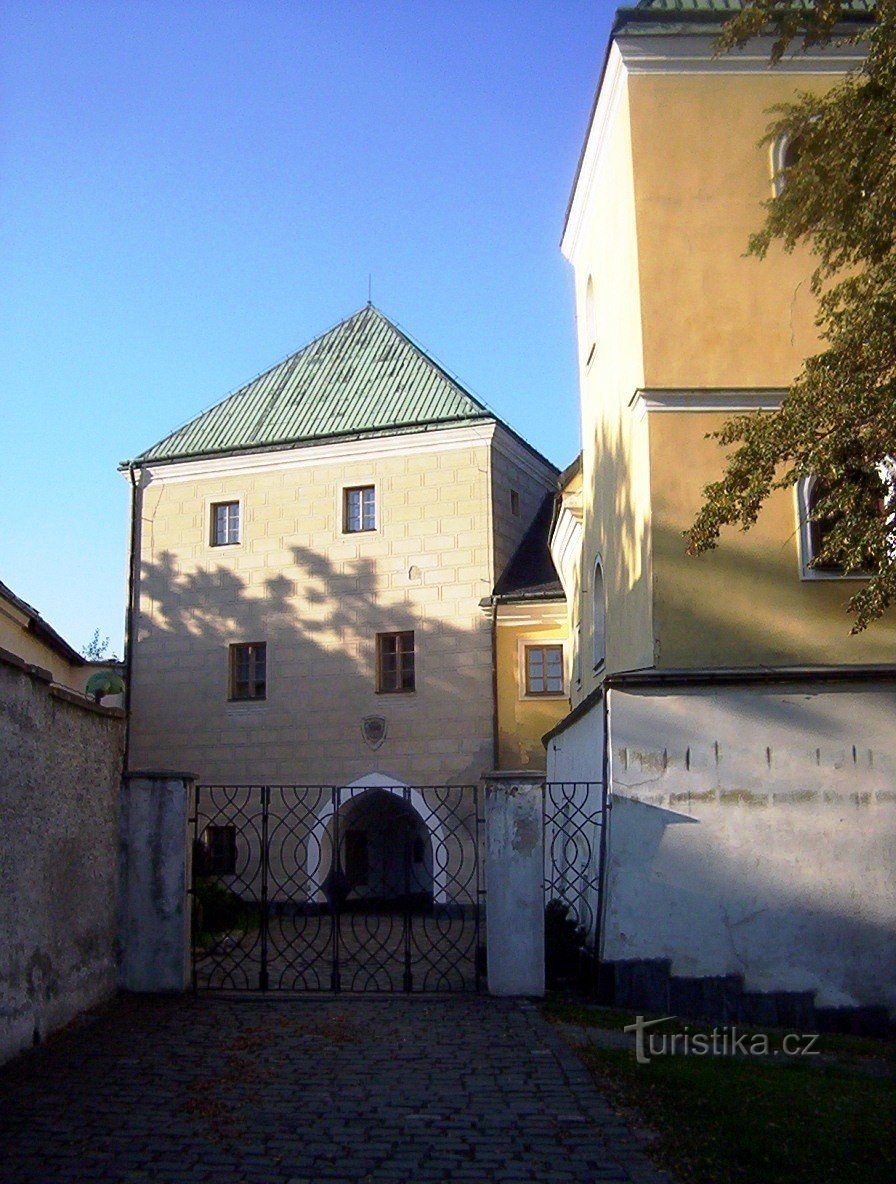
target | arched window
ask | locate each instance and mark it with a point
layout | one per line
(599, 614)
(814, 529)
(785, 154)
(590, 321)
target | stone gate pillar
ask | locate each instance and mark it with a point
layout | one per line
(514, 870)
(155, 854)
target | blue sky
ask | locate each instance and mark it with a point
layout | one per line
(191, 191)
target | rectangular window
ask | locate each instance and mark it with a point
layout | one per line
(225, 524)
(514, 502)
(248, 674)
(544, 669)
(359, 509)
(395, 661)
(217, 851)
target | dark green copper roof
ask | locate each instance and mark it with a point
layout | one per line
(363, 376)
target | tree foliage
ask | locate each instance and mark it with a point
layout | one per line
(97, 648)
(838, 419)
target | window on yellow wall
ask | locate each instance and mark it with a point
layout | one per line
(544, 669)
(590, 321)
(599, 615)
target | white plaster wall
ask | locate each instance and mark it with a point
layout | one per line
(577, 754)
(754, 831)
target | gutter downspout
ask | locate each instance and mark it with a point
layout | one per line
(606, 813)
(133, 560)
(495, 744)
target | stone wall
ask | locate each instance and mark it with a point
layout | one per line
(60, 770)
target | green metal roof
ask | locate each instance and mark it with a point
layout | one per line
(363, 376)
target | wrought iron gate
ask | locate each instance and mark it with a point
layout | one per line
(336, 888)
(575, 815)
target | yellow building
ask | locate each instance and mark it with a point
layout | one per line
(721, 699)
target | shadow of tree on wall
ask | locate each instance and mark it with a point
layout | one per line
(319, 618)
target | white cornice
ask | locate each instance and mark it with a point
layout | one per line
(658, 53)
(725, 400)
(370, 448)
(605, 107)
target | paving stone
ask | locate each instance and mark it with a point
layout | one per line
(349, 1090)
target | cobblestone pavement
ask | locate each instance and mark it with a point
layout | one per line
(358, 1090)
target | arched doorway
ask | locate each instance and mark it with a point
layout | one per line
(369, 801)
(385, 857)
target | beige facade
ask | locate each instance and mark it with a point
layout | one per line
(318, 596)
(677, 330)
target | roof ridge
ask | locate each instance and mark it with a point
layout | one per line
(371, 374)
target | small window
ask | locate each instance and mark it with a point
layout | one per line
(785, 154)
(599, 615)
(248, 671)
(514, 502)
(814, 529)
(395, 662)
(225, 524)
(590, 322)
(216, 855)
(359, 509)
(544, 669)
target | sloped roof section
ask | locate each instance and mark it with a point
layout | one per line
(363, 376)
(531, 574)
(42, 629)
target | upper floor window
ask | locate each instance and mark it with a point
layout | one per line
(590, 321)
(815, 528)
(599, 614)
(225, 528)
(544, 669)
(785, 154)
(248, 670)
(359, 509)
(395, 662)
(514, 502)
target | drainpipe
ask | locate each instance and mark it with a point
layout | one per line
(495, 744)
(606, 812)
(133, 560)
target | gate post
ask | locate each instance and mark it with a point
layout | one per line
(514, 870)
(155, 855)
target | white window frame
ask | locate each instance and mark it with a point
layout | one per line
(802, 494)
(208, 523)
(590, 307)
(363, 483)
(598, 662)
(526, 643)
